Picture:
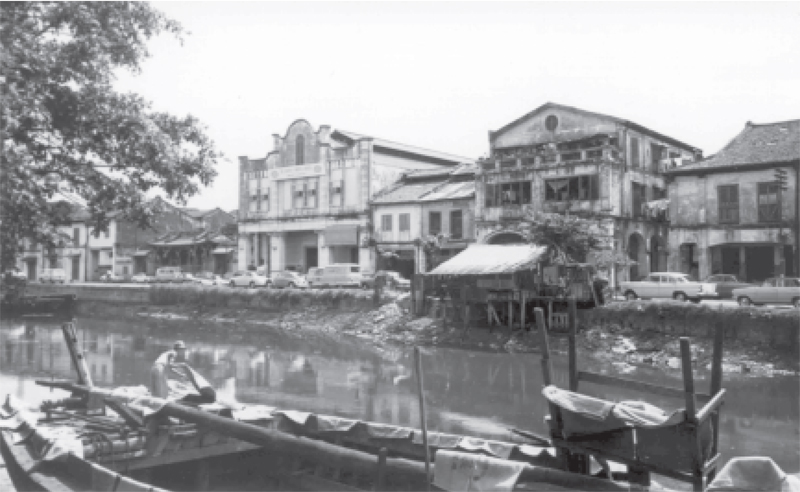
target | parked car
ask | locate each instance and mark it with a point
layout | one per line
(208, 278)
(288, 280)
(169, 274)
(314, 276)
(247, 278)
(340, 275)
(142, 278)
(725, 284)
(53, 276)
(112, 277)
(772, 291)
(669, 285)
(393, 280)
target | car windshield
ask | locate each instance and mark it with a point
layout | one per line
(682, 279)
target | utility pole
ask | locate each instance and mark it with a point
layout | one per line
(781, 179)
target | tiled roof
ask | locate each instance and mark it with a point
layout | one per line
(451, 191)
(388, 144)
(429, 173)
(407, 192)
(484, 259)
(756, 144)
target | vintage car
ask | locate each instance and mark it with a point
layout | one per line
(247, 278)
(53, 276)
(726, 283)
(288, 280)
(208, 278)
(142, 278)
(393, 280)
(773, 291)
(669, 285)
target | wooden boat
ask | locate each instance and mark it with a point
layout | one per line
(124, 439)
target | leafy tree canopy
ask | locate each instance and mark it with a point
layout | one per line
(62, 115)
(571, 238)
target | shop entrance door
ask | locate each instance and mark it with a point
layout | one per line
(312, 258)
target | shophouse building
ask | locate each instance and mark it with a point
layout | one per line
(424, 206)
(567, 160)
(736, 212)
(306, 203)
(123, 248)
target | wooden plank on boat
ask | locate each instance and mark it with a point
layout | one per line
(184, 455)
(308, 481)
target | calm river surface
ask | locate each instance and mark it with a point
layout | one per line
(477, 393)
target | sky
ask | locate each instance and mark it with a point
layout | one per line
(442, 75)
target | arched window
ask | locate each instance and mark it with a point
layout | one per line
(299, 150)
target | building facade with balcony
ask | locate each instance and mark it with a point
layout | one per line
(306, 203)
(560, 159)
(424, 207)
(729, 214)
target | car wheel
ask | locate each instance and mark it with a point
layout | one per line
(680, 296)
(631, 296)
(745, 301)
(364, 286)
(252, 285)
(291, 285)
(232, 284)
(796, 302)
(310, 285)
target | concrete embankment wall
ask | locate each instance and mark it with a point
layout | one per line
(777, 328)
(118, 293)
(266, 300)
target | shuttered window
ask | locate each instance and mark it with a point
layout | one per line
(728, 198)
(386, 223)
(405, 222)
(434, 223)
(769, 201)
(456, 224)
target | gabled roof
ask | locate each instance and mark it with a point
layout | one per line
(487, 259)
(382, 144)
(628, 123)
(451, 191)
(407, 191)
(769, 143)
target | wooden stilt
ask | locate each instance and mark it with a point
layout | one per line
(423, 418)
(522, 297)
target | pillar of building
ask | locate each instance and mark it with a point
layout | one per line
(242, 249)
(742, 264)
(265, 251)
(278, 252)
(421, 259)
(323, 254)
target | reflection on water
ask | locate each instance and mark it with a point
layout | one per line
(476, 393)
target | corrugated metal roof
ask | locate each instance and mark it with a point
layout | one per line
(451, 191)
(406, 148)
(486, 259)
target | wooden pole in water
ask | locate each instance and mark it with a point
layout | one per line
(423, 420)
(78, 359)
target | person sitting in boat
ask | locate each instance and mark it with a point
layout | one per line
(174, 379)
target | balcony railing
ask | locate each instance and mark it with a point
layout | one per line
(550, 158)
(303, 212)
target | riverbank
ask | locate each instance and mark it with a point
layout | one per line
(622, 335)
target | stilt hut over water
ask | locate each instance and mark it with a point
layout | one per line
(500, 285)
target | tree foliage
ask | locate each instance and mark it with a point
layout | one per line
(570, 238)
(61, 114)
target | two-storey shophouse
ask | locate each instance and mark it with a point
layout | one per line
(736, 212)
(433, 208)
(306, 203)
(568, 160)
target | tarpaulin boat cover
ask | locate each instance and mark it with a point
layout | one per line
(487, 259)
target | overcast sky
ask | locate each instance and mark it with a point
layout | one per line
(441, 75)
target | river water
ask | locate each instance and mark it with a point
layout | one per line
(481, 394)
